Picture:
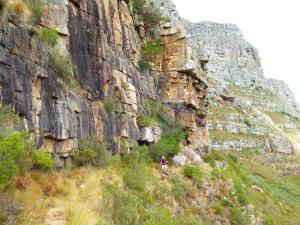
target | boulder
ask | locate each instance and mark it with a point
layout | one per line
(179, 160)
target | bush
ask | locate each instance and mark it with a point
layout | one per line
(123, 208)
(219, 208)
(138, 154)
(152, 18)
(237, 218)
(168, 146)
(91, 152)
(137, 6)
(110, 103)
(75, 86)
(194, 173)
(247, 122)
(145, 121)
(63, 65)
(14, 155)
(125, 85)
(180, 189)
(137, 176)
(212, 157)
(240, 191)
(144, 65)
(162, 217)
(219, 174)
(42, 161)
(49, 36)
(151, 14)
(152, 49)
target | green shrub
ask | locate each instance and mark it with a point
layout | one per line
(75, 86)
(166, 19)
(180, 190)
(212, 157)
(219, 208)
(152, 49)
(123, 208)
(145, 121)
(137, 176)
(268, 221)
(138, 154)
(194, 172)
(237, 218)
(162, 217)
(92, 152)
(152, 18)
(124, 85)
(144, 65)
(219, 174)
(162, 114)
(151, 14)
(63, 65)
(14, 156)
(168, 146)
(124, 146)
(42, 160)
(110, 103)
(49, 36)
(137, 6)
(240, 191)
(247, 122)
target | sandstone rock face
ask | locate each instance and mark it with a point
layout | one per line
(183, 85)
(101, 37)
(105, 46)
(103, 43)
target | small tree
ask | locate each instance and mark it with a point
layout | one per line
(15, 157)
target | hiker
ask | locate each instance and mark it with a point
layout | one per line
(164, 165)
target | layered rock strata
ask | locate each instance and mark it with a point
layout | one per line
(104, 46)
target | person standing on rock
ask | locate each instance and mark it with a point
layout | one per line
(164, 165)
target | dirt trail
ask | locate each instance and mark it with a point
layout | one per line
(56, 216)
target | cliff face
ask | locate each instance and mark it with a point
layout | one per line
(105, 48)
(242, 100)
(235, 62)
(206, 70)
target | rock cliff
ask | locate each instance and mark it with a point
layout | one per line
(241, 97)
(205, 70)
(101, 38)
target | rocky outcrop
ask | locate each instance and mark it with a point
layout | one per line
(239, 93)
(102, 40)
(233, 62)
(183, 85)
(285, 96)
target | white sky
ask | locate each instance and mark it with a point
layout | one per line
(272, 26)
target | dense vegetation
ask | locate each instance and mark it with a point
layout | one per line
(17, 152)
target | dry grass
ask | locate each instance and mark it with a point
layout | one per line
(78, 192)
(19, 8)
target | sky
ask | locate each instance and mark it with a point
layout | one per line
(272, 26)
